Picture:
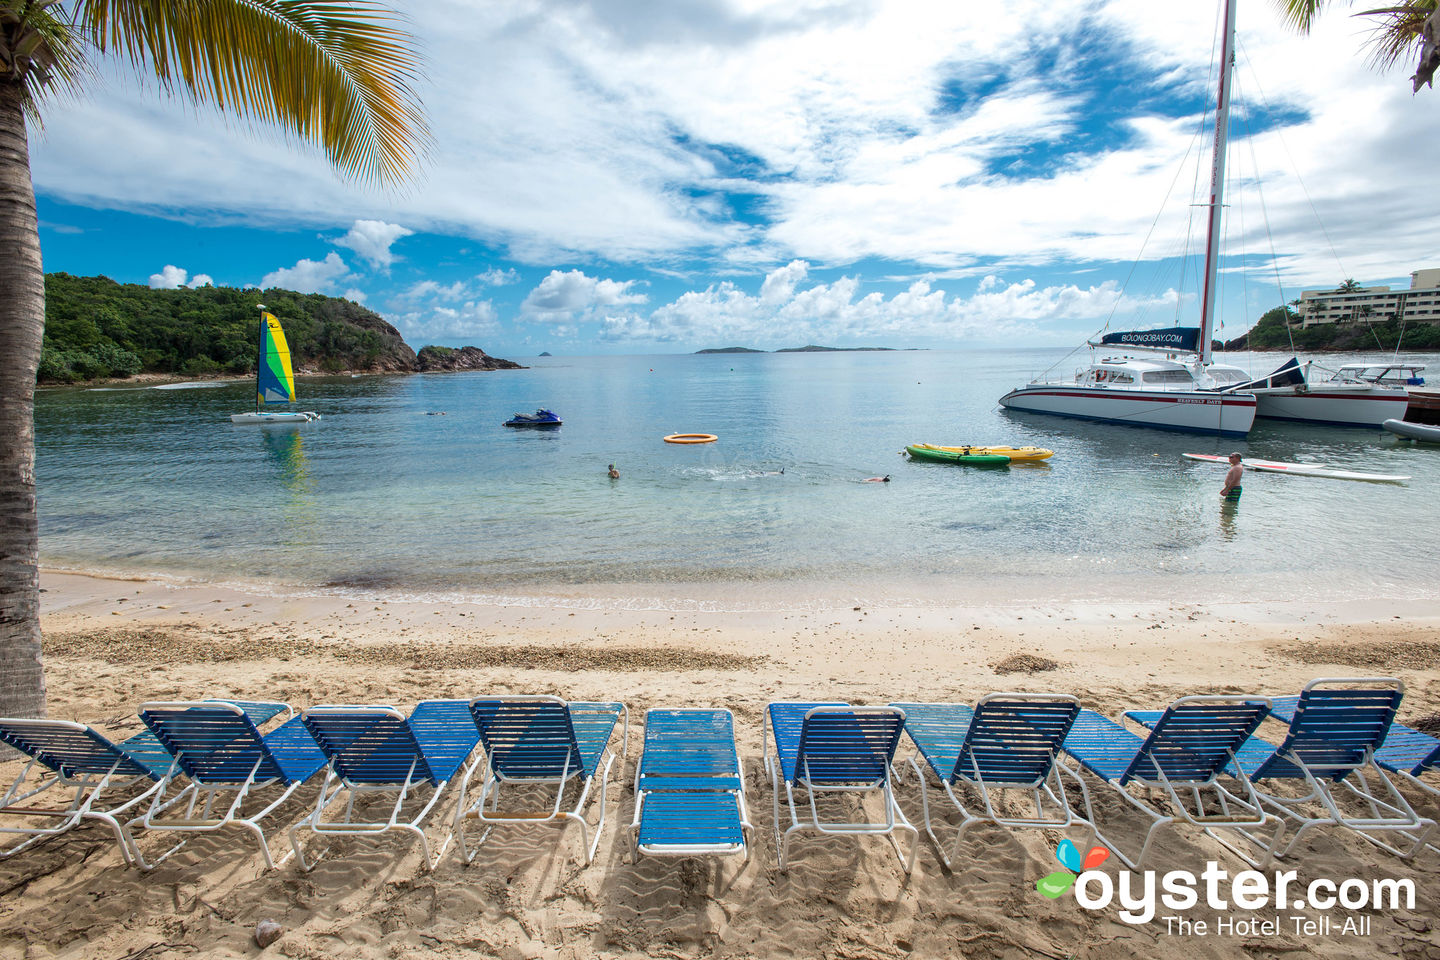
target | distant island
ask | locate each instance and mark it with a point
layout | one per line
(544, 353)
(812, 348)
(97, 329)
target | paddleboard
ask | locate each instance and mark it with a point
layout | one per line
(1300, 469)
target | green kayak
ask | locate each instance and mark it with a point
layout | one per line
(934, 455)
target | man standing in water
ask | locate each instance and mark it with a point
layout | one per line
(1231, 491)
(614, 474)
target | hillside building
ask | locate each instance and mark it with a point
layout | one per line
(1421, 303)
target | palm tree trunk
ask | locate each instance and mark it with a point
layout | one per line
(22, 326)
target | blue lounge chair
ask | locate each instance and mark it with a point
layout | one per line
(1186, 754)
(1335, 727)
(376, 749)
(834, 748)
(105, 781)
(536, 742)
(219, 747)
(1406, 752)
(689, 787)
(1009, 741)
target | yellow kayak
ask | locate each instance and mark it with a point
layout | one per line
(1016, 454)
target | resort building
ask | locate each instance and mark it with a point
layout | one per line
(1421, 303)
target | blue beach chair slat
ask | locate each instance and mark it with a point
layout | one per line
(1404, 750)
(375, 749)
(690, 818)
(1006, 742)
(212, 744)
(445, 733)
(369, 747)
(527, 739)
(834, 747)
(540, 741)
(217, 744)
(1335, 728)
(74, 750)
(690, 798)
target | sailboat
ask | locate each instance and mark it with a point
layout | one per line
(1174, 384)
(274, 380)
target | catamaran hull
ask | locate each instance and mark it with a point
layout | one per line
(305, 417)
(1228, 415)
(1361, 408)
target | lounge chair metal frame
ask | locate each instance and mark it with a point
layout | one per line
(74, 756)
(537, 739)
(1405, 752)
(693, 775)
(844, 770)
(1007, 742)
(1334, 730)
(1196, 761)
(267, 769)
(366, 746)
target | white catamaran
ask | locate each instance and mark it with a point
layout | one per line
(274, 379)
(1177, 386)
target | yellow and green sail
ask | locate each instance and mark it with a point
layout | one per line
(275, 381)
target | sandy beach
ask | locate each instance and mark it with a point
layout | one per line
(114, 643)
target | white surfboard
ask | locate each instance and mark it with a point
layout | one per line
(1300, 469)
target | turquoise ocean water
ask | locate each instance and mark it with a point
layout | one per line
(382, 497)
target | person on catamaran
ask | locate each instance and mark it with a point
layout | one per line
(1231, 491)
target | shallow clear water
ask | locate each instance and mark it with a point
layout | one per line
(381, 496)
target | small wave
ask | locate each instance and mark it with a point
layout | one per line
(194, 385)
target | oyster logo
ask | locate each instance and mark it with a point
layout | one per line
(1068, 854)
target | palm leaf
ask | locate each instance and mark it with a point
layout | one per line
(339, 75)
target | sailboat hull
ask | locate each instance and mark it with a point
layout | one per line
(1348, 408)
(305, 417)
(1188, 411)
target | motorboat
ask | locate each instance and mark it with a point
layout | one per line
(1301, 392)
(540, 418)
(1173, 383)
(1386, 374)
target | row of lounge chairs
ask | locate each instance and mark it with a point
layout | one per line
(198, 764)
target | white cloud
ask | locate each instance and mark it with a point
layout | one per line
(635, 122)
(173, 278)
(372, 240)
(473, 319)
(429, 289)
(563, 297)
(309, 276)
(837, 313)
(354, 295)
(495, 277)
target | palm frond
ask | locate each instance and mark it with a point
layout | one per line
(41, 49)
(1301, 14)
(340, 75)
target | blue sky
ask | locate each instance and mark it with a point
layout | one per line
(614, 176)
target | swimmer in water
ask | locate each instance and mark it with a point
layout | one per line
(884, 479)
(614, 474)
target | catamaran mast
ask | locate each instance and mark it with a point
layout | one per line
(1217, 181)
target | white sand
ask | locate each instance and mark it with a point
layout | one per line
(529, 894)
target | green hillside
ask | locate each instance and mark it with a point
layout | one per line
(95, 327)
(1269, 333)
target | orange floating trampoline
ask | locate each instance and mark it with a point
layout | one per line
(691, 438)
